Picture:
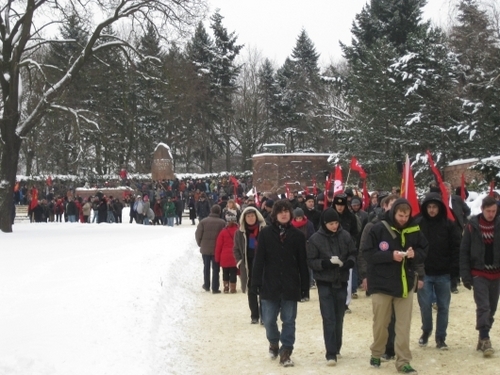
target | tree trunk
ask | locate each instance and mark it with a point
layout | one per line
(8, 171)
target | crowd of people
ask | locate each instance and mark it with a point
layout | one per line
(282, 248)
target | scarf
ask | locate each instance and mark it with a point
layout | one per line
(252, 234)
(299, 224)
(283, 228)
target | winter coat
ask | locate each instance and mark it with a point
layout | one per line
(385, 275)
(322, 246)
(206, 233)
(158, 210)
(224, 247)
(202, 209)
(443, 237)
(280, 266)
(179, 206)
(102, 211)
(192, 209)
(472, 248)
(86, 209)
(71, 209)
(313, 216)
(240, 249)
(460, 209)
(169, 209)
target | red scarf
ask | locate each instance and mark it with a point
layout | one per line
(299, 224)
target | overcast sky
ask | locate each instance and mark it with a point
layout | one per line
(272, 26)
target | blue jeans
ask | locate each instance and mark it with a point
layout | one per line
(210, 263)
(72, 218)
(332, 307)
(170, 221)
(441, 286)
(288, 312)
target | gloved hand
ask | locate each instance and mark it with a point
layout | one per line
(328, 265)
(467, 284)
(255, 289)
(349, 263)
(336, 260)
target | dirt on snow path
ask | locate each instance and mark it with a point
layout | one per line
(221, 340)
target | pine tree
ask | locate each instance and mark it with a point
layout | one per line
(476, 43)
(224, 72)
(400, 79)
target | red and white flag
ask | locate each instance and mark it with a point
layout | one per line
(338, 184)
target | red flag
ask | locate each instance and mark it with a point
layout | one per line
(338, 186)
(49, 181)
(327, 189)
(34, 198)
(366, 196)
(315, 189)
(235, 185)
(287, 191)
(306, 190)
(444, 191)
(462, 187)
(408, 188)
(355, 166)
(492, 187)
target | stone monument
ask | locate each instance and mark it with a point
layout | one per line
(163, 167)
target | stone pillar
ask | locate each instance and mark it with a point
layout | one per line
(162, 168)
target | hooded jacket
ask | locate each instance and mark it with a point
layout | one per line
(322, 246)
(443, 237)
(240, 249)
(384, 274)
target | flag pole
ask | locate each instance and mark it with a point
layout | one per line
(348, 173)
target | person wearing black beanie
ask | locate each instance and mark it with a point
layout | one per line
(330, 254)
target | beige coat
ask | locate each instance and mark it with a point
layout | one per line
(240, 245)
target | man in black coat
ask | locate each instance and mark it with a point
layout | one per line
(281, 277)
(441, 264)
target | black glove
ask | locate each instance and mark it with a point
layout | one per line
(255, 289)
(348, 264)
(467, 284)
(327, 265)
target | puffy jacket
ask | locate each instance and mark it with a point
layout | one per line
(385, 275)
(224, 247)
(206, 233)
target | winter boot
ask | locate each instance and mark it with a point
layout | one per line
(232, 287)
(226, 286)
(285, 359)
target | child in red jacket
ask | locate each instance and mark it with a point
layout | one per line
(224, 253)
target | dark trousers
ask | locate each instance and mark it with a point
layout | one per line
(486, 298)
(389, 347)
(209, 263)
(332, 307)
(229, 274)
(253, 299)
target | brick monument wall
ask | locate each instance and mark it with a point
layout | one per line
(272, 171)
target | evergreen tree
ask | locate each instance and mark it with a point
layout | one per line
(399, 83)
(477, 44)
(224, 72)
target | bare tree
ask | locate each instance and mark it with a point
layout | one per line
(23, 29)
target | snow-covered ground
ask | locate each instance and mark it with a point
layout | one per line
(126, 299)
(96, 298)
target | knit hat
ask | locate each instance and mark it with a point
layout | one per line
(230, 217)
(298, 212)
(269, 203)
(355, 201)
(309, 196)
(330, 215)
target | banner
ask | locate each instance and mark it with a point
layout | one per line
(408, 188)
(444, 191)
(338, 185)
(355, 166)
